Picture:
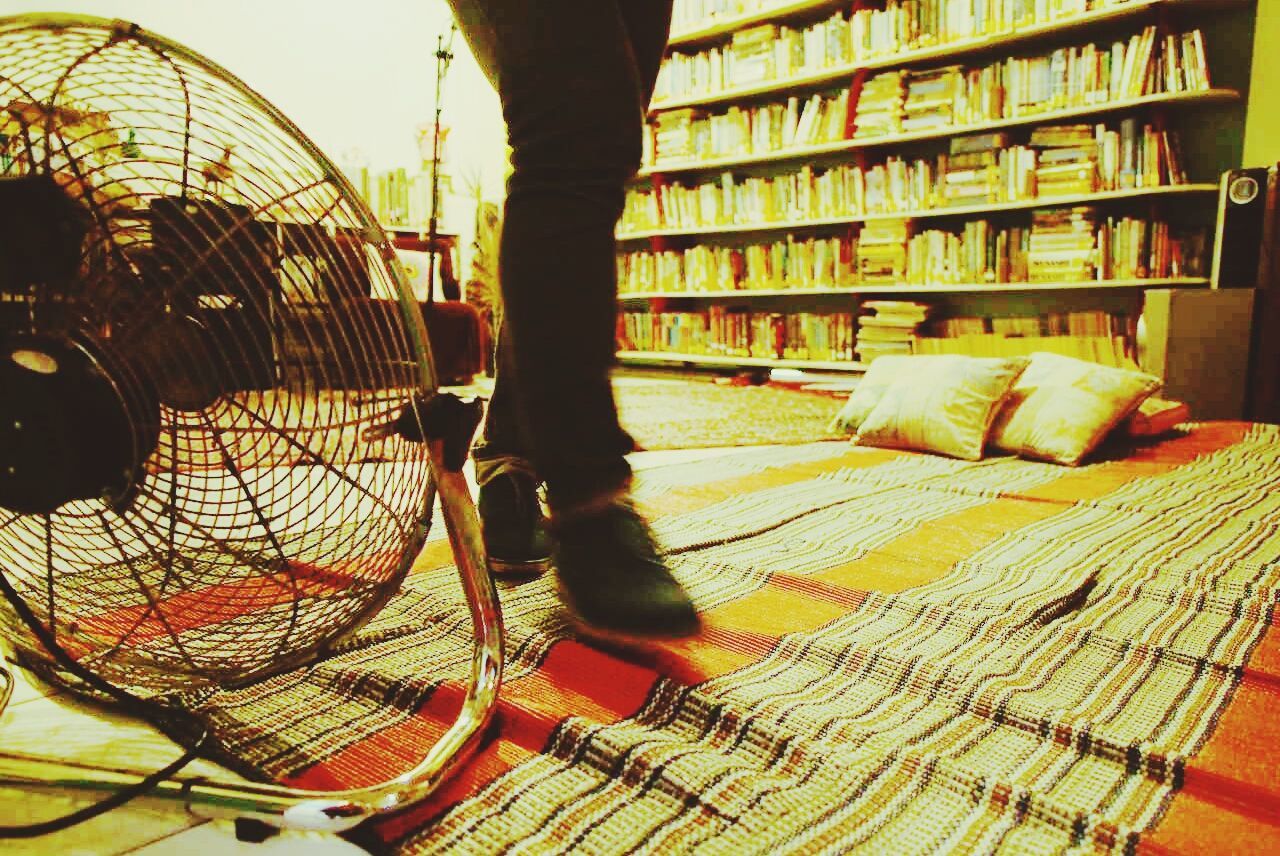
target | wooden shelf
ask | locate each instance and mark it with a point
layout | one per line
(735, 293)
(928, 213)
(777, 12)
(760, 362)
(949, 50)
(1205, 96)
(909, 288)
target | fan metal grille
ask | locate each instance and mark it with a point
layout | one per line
(265, 524)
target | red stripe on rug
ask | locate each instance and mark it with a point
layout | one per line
(192, 609)
(1230, 799)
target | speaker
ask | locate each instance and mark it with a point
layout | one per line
(1245, 198)
(1197, 342)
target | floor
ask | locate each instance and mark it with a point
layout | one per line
(41, 722)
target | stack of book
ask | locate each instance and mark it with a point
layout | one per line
(674, 136)
(1066, 159)
(931, 98)
(880, 105)
(1062, 245)
(888, 327)
(752, 55)
(882, 251)
(970, 171)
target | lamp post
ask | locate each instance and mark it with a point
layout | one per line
(444, 55)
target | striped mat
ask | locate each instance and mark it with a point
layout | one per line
(904, 653)
(689, 413)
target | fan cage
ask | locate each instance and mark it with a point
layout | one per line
(261, 318)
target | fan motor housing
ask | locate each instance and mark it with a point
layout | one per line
(41, 233)
(69, 429)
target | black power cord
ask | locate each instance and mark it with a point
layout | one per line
(147, 710)
(119, 798)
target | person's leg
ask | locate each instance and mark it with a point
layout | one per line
(574, 96)
(635, 36)
(648, 26)
(515, 534)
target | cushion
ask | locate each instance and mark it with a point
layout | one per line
(1062, 408)
(1156, 416)
(944, 403)
(870, 390)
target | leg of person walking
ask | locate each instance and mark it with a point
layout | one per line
(574, 78)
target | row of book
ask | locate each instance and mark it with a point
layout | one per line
(1057, 160)
(687, 15)
(882, 328)
(1095, 335)
(691, 134)
(985, 169)
(1108, 350)
(755, 55)
(904, 102)
(904, 327)
(397, 197)
(787, 264)
(1145, 62)
(1089, 322)
(906, 24)
(1059, 245)
(737, 332)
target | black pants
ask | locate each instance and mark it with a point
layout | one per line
(574, 78)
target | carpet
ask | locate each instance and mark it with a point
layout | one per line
(903, 653)
(692, 413)
(659, 412)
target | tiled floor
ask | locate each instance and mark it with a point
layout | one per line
(43, 723)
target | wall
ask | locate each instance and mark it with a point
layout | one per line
(1262, 127)
(359, 83)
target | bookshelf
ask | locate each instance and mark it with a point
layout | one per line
(926, 213)
(706, 27)
(941, 288)
(1164, 99)
(674, 358)
(1008, 38)
(1154, 84)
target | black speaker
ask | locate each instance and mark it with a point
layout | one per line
(1244, 199)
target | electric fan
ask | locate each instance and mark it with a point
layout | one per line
(220, 434)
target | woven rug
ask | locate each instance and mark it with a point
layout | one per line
(903, 653)
(659, 412)
(694, 413)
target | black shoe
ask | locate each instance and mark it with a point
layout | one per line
(514, 527)
(613, 580)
